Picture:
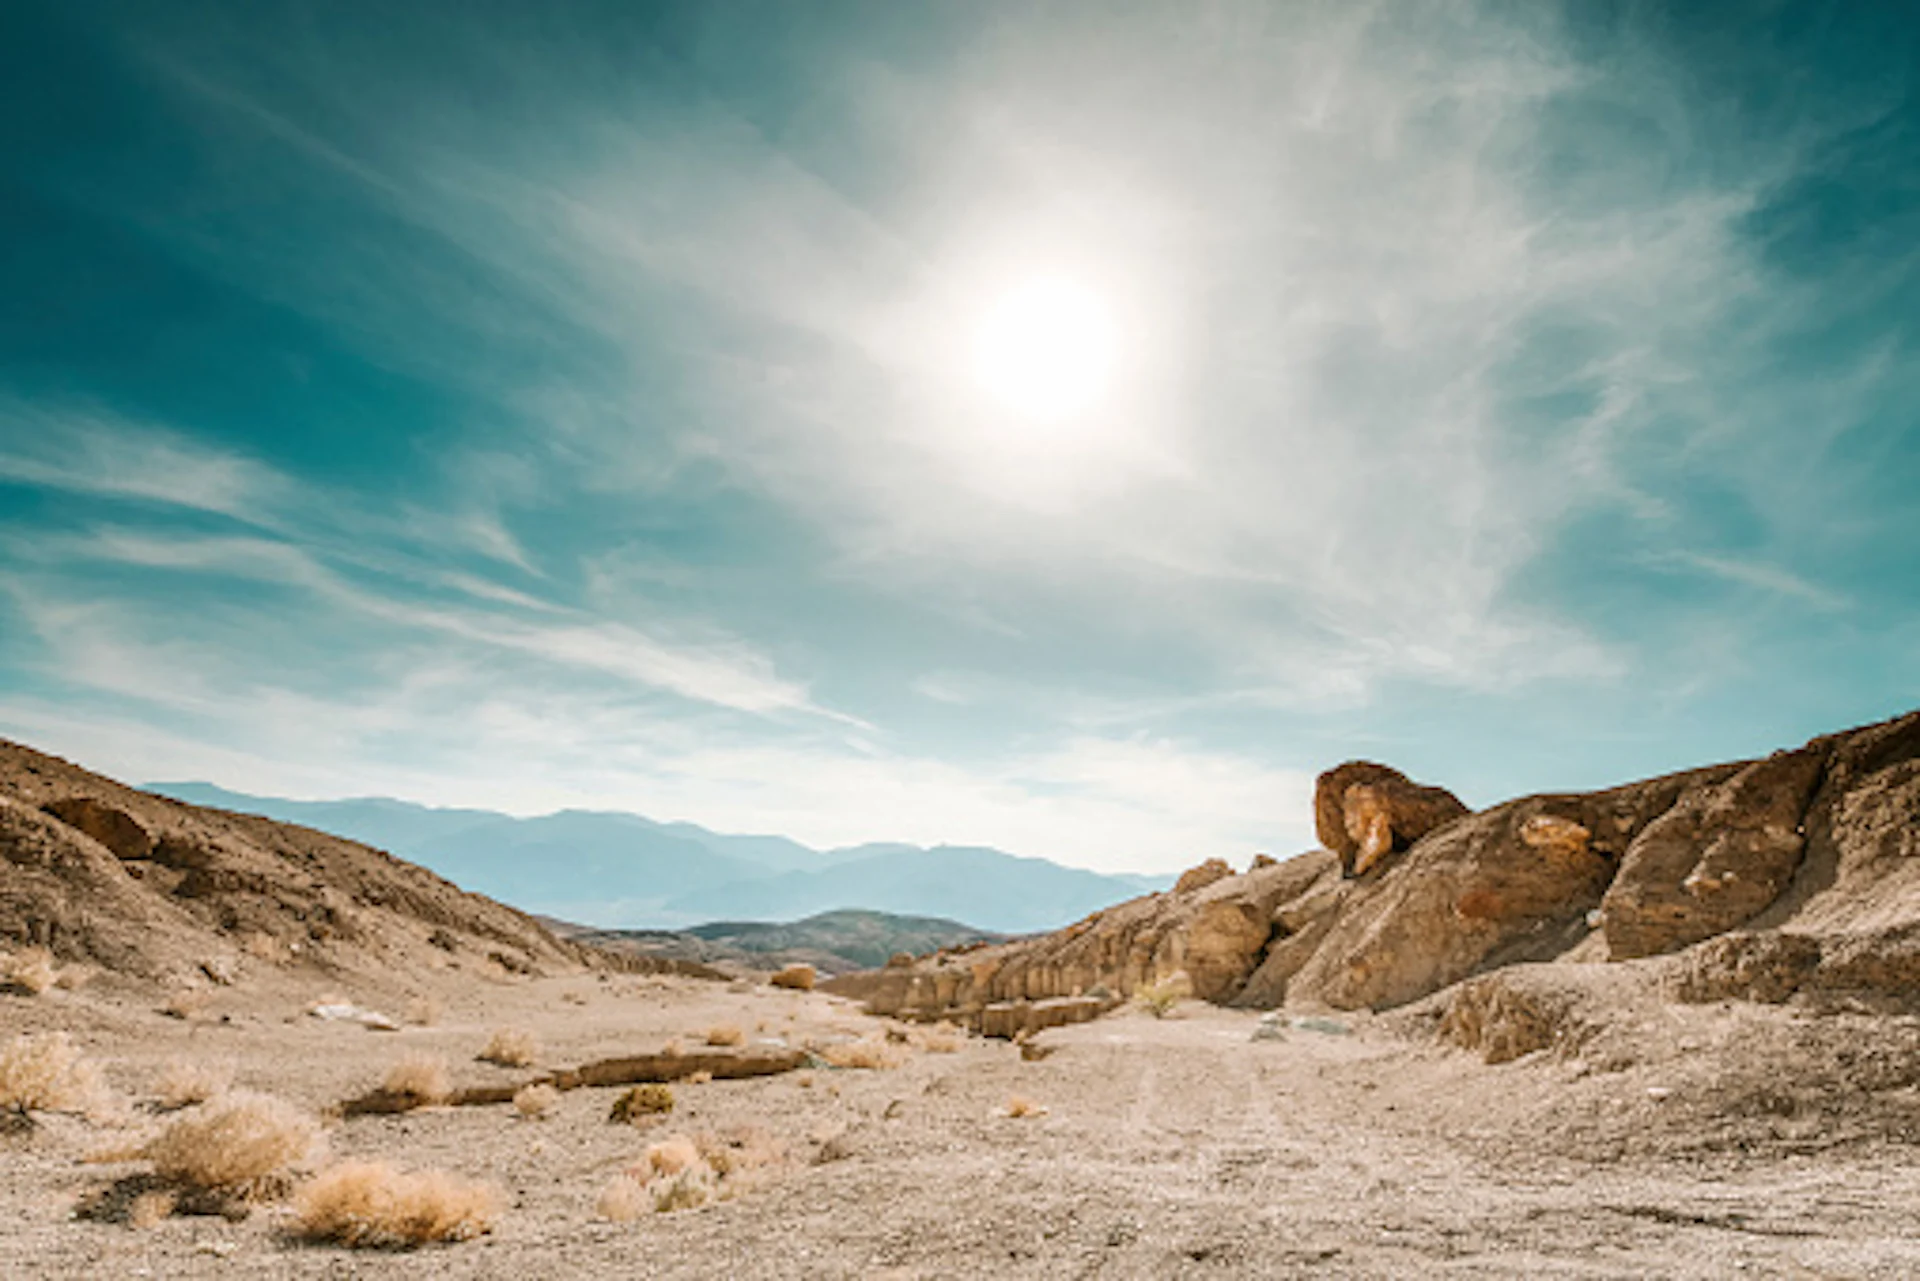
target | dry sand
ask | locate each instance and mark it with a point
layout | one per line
(1168, 1148)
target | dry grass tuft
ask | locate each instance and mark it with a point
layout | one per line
(419, 1078)
(875, 1055)
(241, 1145)
(536, 1101)
(511, 1047)
(672, 1049)
(1021, 1105)
(623, 1199)
(642, 1103)
(187, 1003)
(1160, 998)
(150, 1209)
(423, 1011)
(700, 1078)
(28, 972)
(942, 1038)
(725, 1034)
(48, 1074)
(184, 1083)
(681, 1173)
(371, 1205)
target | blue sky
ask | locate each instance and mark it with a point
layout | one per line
(531, 406)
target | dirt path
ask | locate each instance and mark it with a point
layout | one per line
(1176, 1148)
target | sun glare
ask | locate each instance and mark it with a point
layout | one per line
(1045, 349)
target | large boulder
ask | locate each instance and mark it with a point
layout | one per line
(1363, 812)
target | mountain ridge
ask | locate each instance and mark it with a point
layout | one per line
(611, 869)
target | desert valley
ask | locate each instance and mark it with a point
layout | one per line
(1663, 1030)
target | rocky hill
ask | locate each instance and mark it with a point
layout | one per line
(1793, 876)
(157, 889)
(832, 942)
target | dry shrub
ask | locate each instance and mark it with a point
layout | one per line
(419, 1078)
(641, 1103)
(423, 1011)
(28, 972)
(535, 1101)
(371, 1205)
(150, 1209)
(725, 1034)
(187, 1003)
(1021, 1105)
(797, 977)
(261, 946)
(700, 1078)
(623, 1199)
(184, 1083)
(804, 1080)
(876, 1055)
(240, 1145)
(511, 1047)
(943, 1038)
(672, 1049)
(48, 1074)
(681, 1173)
(1159, 998)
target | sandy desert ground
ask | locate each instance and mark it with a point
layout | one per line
(1180, 1147)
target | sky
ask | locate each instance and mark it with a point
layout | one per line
(582, 404)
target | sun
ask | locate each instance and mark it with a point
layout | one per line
(1045, 349)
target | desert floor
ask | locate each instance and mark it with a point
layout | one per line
(1168, 1148)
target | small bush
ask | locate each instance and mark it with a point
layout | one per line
(423, 1011)
(150, 1209)
(1019, 1105)
(185, 1083)
(511, 1047)
(641, 1103)
(187, 1004)
(876, 1055)
(672, 1049)
(241, 1145)
(419, 1078)
(28, 972)
(700, 1078)
(47, 1074)
(941, 1039)
(725, 1034)
(535, 1101)
(1160, 998)
(623, 1199)
(371, 1205)
(797, 977)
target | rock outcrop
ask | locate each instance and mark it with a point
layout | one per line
(1363, 812)
(1797, 875)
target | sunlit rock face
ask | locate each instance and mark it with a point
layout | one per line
(1364, 812)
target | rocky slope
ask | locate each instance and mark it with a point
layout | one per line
(159, 890)
(1797, 874)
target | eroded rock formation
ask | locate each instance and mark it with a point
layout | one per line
(1363, 812)
(1797, 874)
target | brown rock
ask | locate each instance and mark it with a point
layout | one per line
(1714, 860)
(799, 977)
(1198, 878)
(1363, 811)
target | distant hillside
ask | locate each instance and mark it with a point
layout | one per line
(614, 870)
(834, 942)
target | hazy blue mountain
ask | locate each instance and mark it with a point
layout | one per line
(984, 887)
(836, 942)
(614, 870)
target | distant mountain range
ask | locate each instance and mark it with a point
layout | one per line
(623, 871)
